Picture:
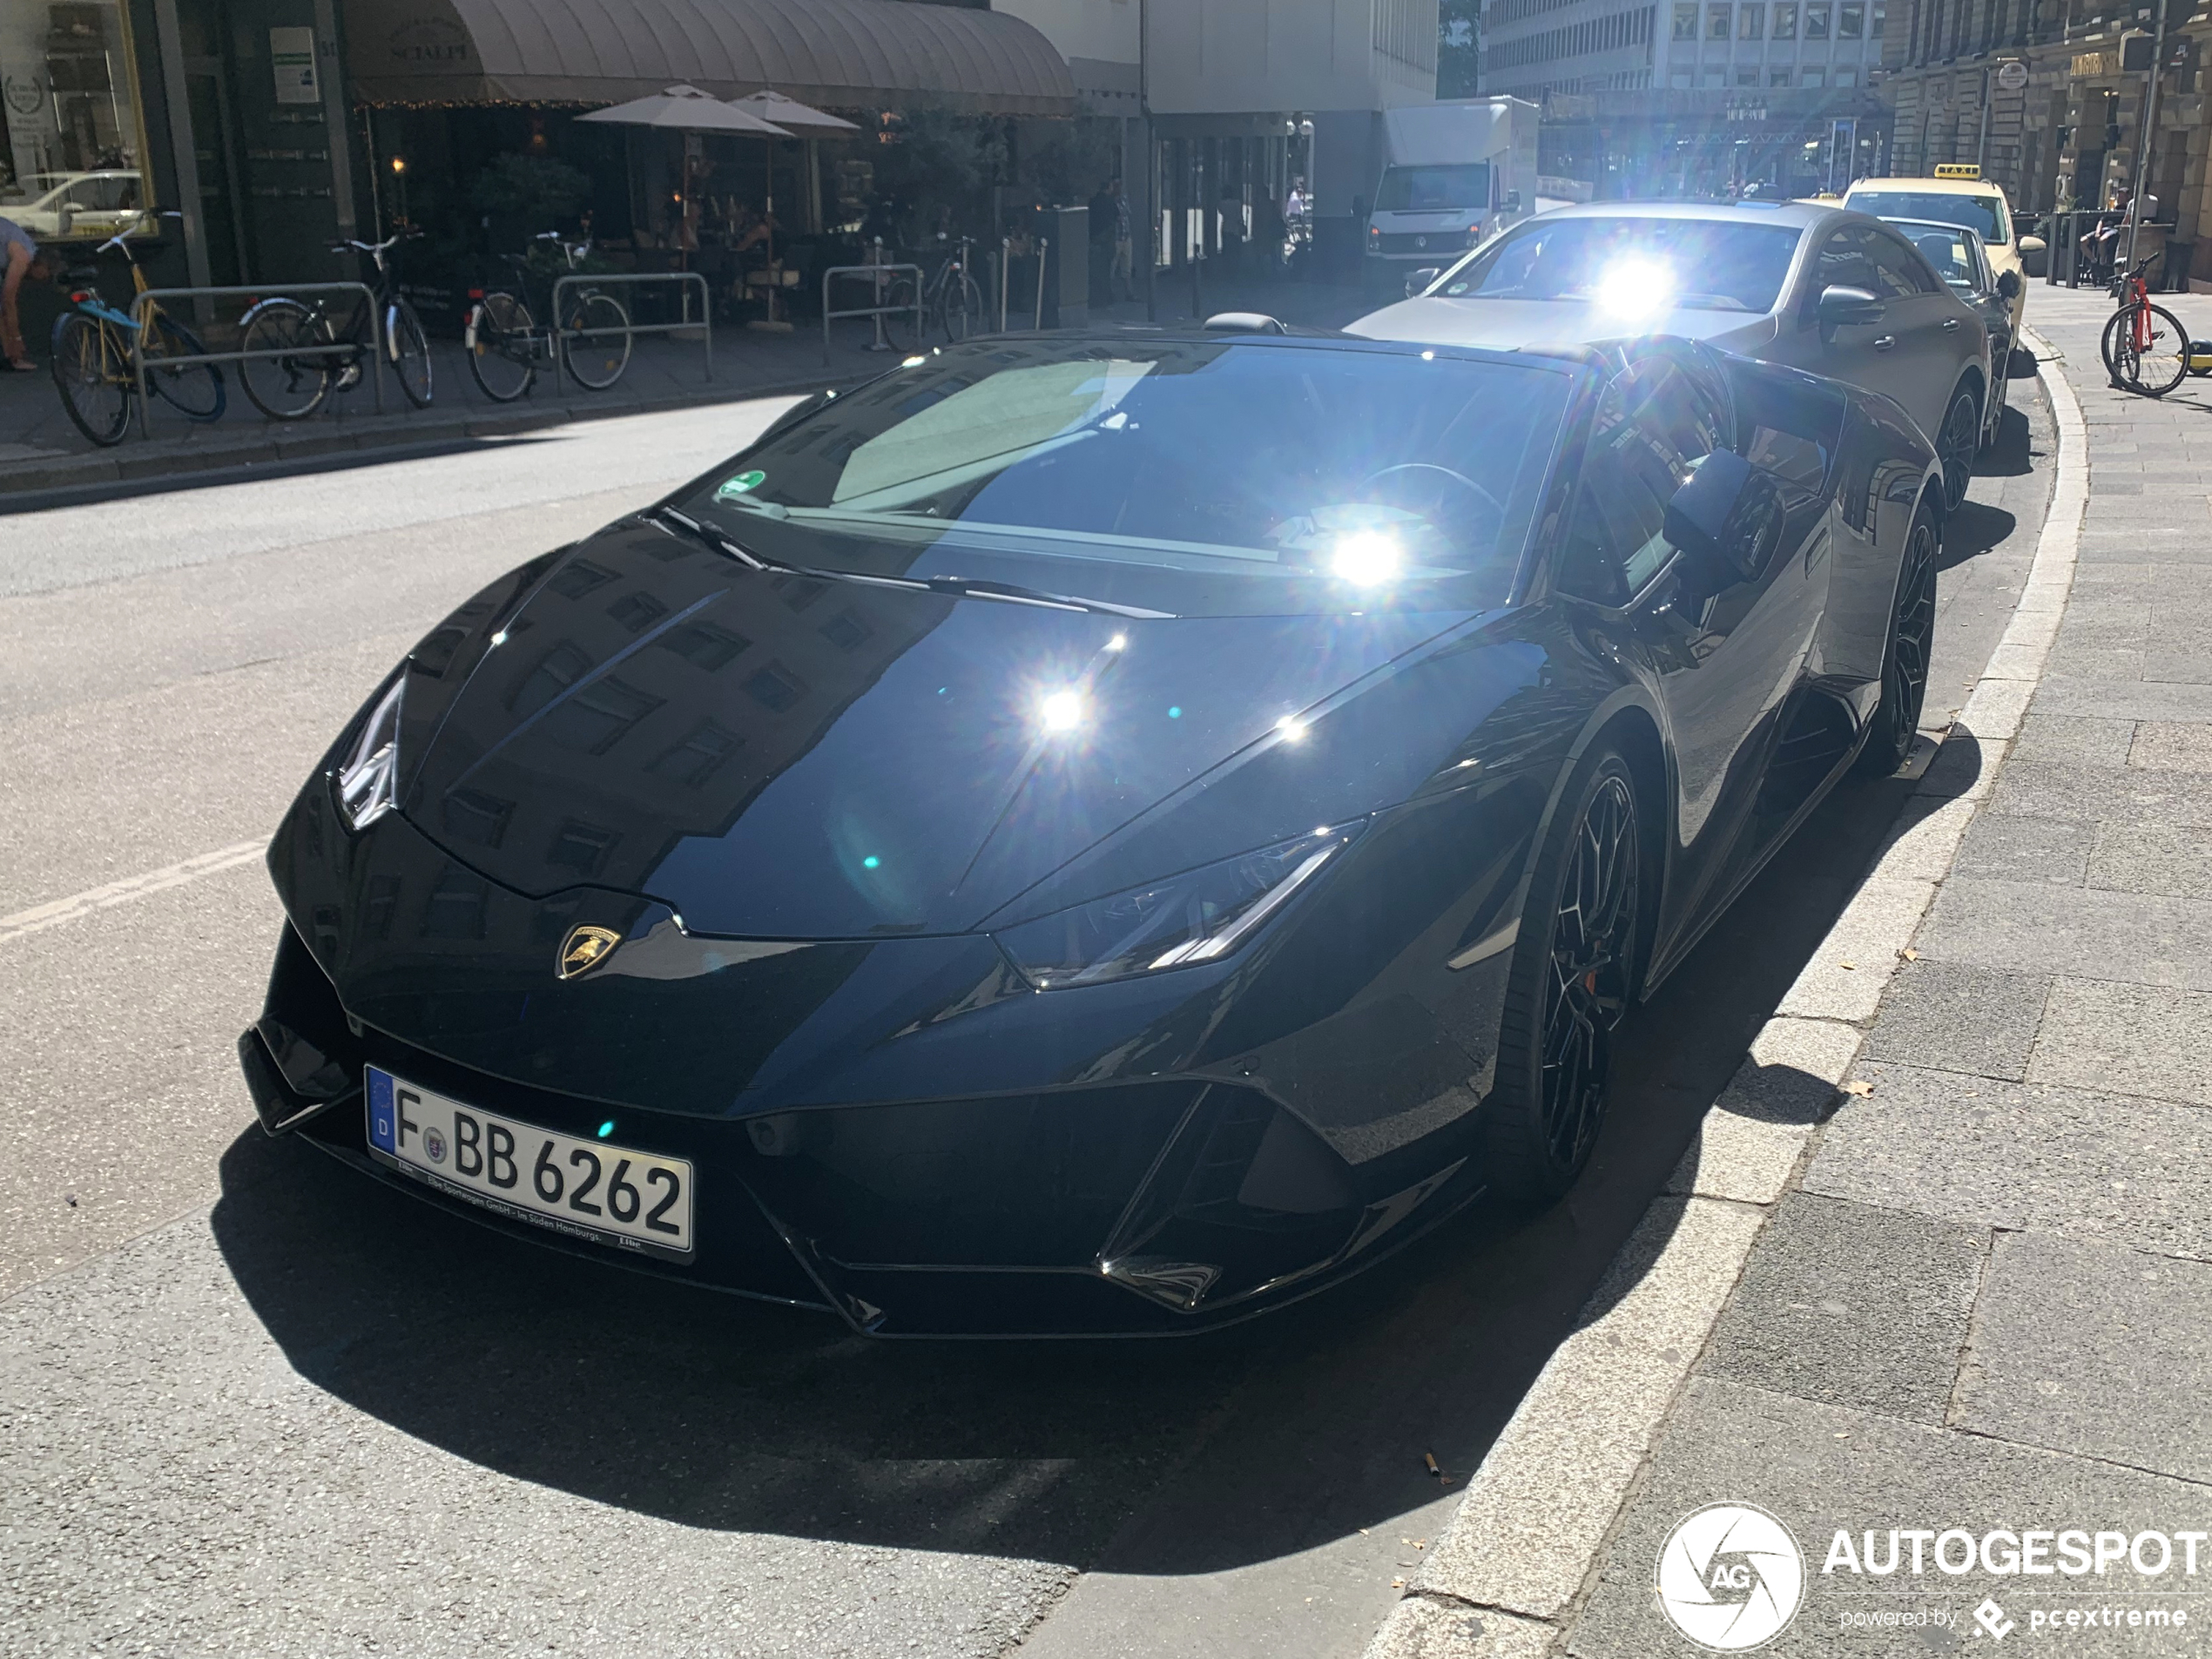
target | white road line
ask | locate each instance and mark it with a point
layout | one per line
(39, 918)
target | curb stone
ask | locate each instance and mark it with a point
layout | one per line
(1508, 1573)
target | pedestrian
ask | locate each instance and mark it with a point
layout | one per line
(24, 258)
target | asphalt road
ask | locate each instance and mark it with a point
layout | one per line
(251, 1403)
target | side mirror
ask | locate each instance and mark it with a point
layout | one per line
(1417, 283)
(1842, 307)
(2033, 245)
(1513, 201)
(1727, 518)
(2019, 364)
(2008, 284)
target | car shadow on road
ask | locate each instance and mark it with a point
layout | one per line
(1161, 1457)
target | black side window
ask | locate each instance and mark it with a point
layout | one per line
(1900, 271)
(1652, 426)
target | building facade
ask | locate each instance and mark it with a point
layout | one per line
(2039, 93)
(1704, 98)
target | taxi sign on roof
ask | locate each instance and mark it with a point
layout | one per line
(1957, 170)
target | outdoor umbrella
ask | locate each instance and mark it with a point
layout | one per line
(685, 109)
(802, 120)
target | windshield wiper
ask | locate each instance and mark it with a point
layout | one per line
(1012, 593)
(665, 516)
(964, 587)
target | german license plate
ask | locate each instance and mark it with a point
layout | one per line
(587, 1188)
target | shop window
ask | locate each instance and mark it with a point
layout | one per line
(73, 142)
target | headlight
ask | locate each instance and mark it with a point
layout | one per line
(368, 782)
(1196, 917)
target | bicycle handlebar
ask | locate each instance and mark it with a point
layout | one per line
(121, 238)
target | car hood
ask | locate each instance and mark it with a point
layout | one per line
(777, 756)
(1509, 325)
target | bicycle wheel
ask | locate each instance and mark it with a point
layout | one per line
(410, 351)
(500, 346)
(901, 326)
(193, 388)
(595, 339)
(2106, 341)
(963, 309)
(2160, 360)
(90, 372)
(291, 387)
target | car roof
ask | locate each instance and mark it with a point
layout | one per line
(1796, 214)
(1930, 186)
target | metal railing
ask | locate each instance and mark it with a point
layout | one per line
(142, 308)
(881, 275)
(2072, 253)
(601, 279)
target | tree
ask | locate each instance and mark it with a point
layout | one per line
(1458, 28)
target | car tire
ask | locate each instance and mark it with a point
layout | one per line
(1994, 421)
(1957, 443)
(1576, 964)
(1904, 651)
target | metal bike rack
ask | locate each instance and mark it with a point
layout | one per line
(141, 307)
(682, 279)
(881, 275)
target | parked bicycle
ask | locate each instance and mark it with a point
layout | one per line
(322, 353)
(951, 303)
(2144, 346)
(505, 345)
(93, 364)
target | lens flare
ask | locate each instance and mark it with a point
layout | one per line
(1365, 559)
(1636, 289)
(1062, 712)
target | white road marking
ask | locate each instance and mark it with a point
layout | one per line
(39, 918)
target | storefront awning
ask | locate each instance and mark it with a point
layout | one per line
(850, 54)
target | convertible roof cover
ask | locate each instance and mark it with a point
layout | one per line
(855, 54)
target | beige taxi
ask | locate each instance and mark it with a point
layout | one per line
(1957, 195)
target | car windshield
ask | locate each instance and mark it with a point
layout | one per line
(1417, 190)
(1984, 215)
(1193, 477)
(1695, 263)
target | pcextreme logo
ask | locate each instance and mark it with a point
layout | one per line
(1730, 1577)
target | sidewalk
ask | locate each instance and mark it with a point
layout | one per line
(41, 452)
(1941, 1257)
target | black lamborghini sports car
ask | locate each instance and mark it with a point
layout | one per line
(1096, 832)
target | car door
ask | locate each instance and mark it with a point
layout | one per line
(1931, 333)
(1724, 652)
(1845, 352)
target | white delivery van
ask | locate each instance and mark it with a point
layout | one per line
(1454, 173)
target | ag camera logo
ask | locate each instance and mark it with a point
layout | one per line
(1731, 1577)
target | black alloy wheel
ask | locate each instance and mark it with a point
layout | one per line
(2000, 388)
(1904, 660)
(1574, 972)
(1957, 445)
